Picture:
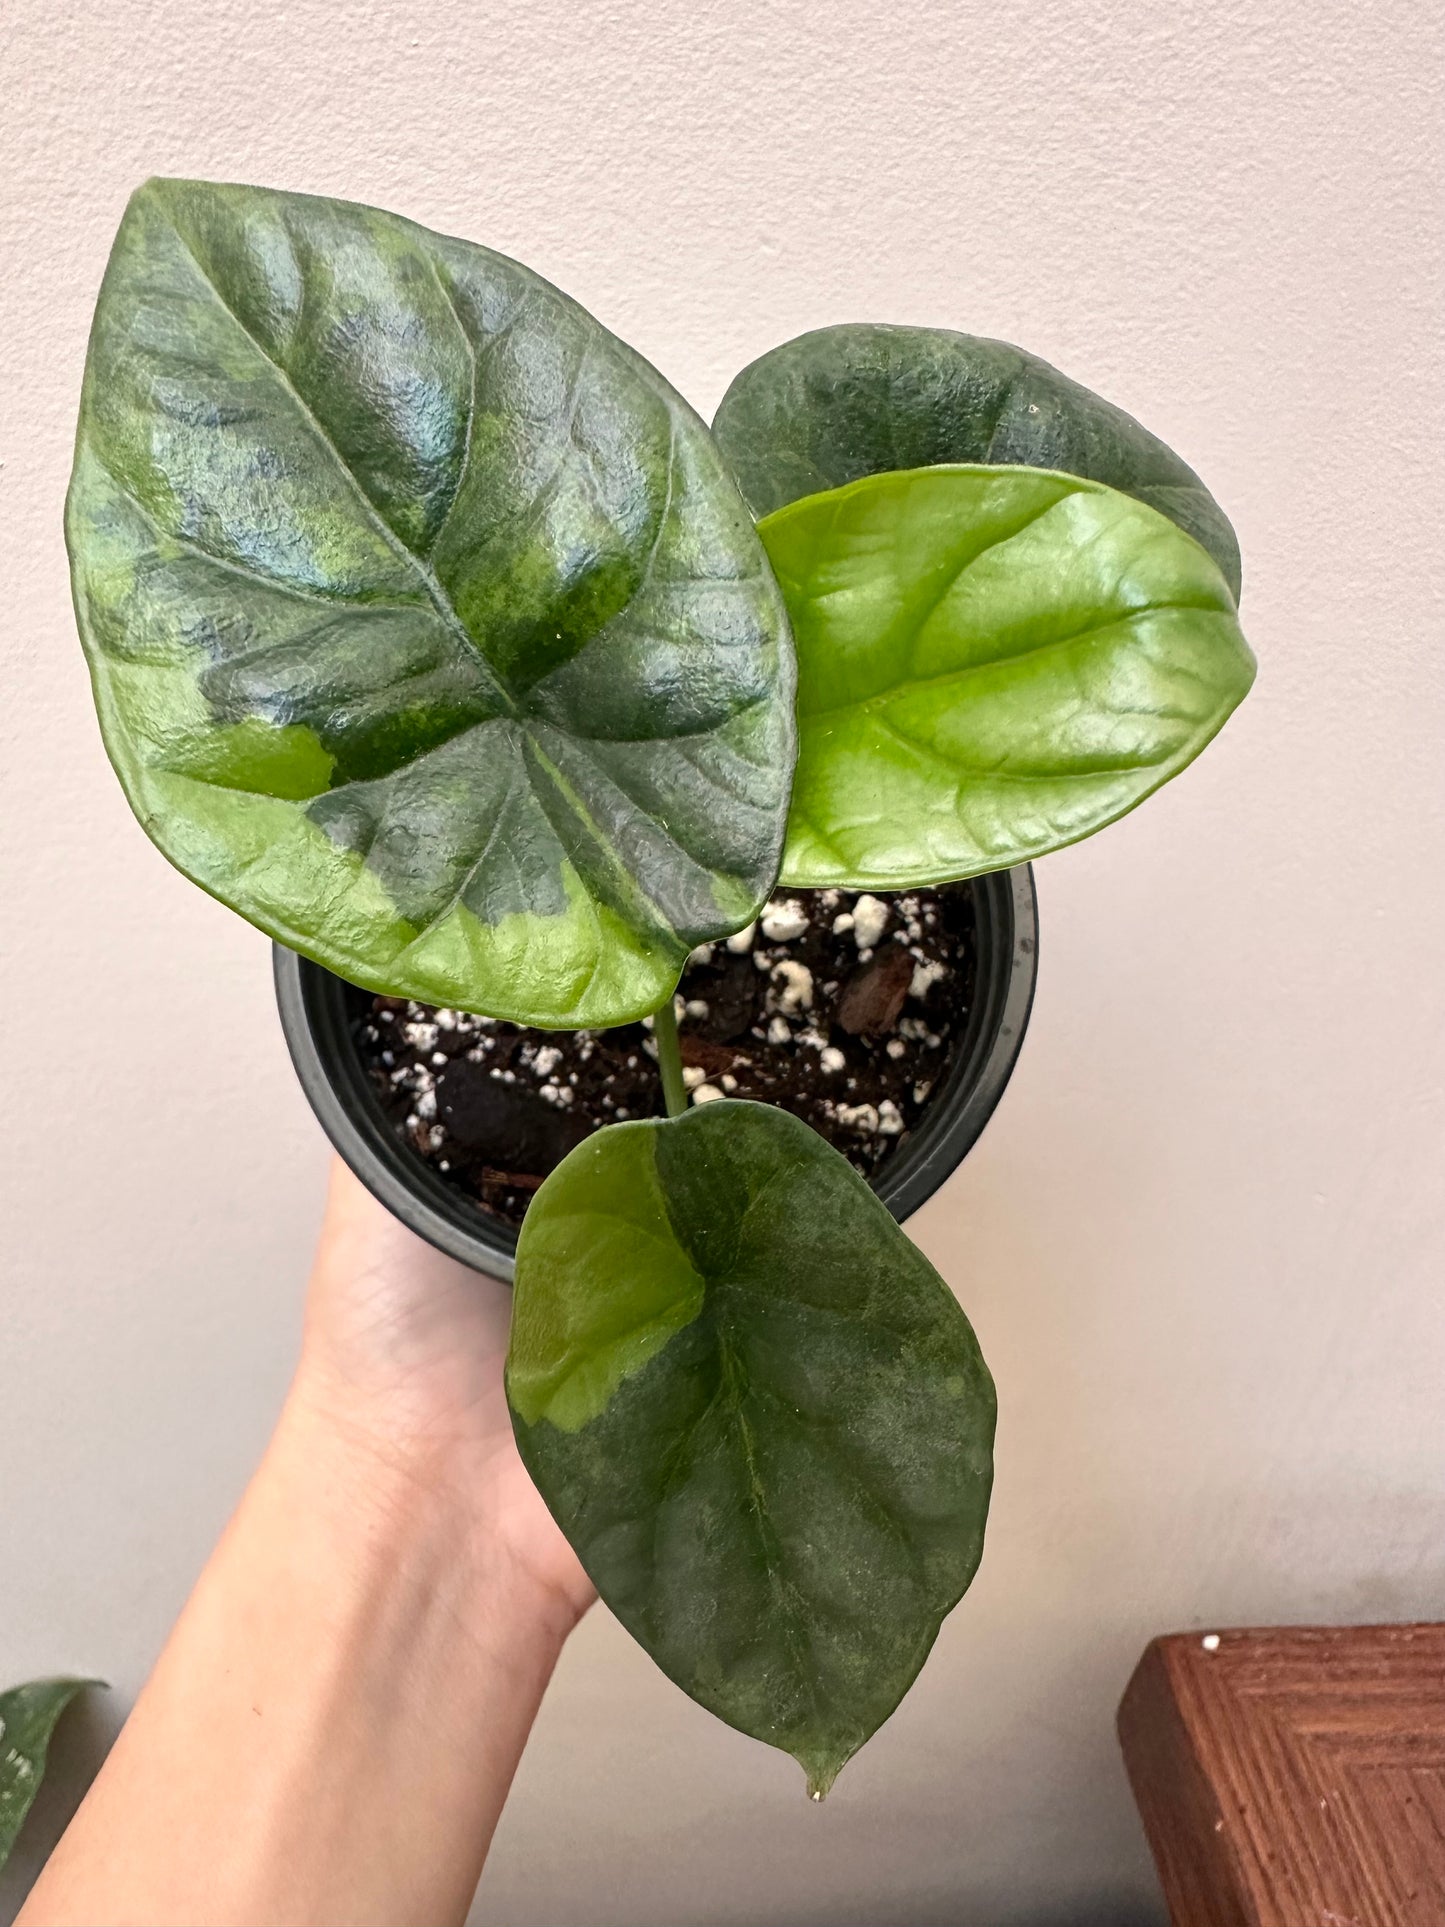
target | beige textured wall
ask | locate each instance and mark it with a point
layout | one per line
(1203, 1241)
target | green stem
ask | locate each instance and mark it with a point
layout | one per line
(669, 1058)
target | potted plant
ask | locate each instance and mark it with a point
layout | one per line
(432, 632)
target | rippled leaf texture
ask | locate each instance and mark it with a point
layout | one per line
(992, 662)
(28, 1716)
(841, 403)
(426, 626)
(758, 1415)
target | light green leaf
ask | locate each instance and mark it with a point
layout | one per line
(992, 663)
(758, 1415)
(837, 404)
(28, 1716)
(427, 628)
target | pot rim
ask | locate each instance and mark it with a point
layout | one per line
(334, 1079)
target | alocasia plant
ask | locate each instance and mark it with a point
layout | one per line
(431, 631)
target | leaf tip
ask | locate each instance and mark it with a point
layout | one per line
(821, 1775)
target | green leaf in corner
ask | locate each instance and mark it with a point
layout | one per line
(757, 1413)
(992, 663)
(427, 628)
(28, 1716)
(837, 404)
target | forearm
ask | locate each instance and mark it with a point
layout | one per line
(331, 1730)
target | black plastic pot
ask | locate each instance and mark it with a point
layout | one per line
(319, 1010)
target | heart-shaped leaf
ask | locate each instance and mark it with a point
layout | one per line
(758, 1415)
(427, 628)
(992, 663)
(841, 403)
(28, 1716)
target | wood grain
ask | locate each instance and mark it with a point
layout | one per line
(1295, 1776)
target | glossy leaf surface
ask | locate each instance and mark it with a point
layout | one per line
(28, 1717)
(992, 662)
(758, 1415)
(841, 403)
(426, 626)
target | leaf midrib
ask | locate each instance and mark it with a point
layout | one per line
(906, 686)
(720, 1290)
(733, 1380)
(425, 574)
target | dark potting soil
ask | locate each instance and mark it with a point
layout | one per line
(841, 1007)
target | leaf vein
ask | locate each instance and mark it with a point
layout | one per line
(438, 597)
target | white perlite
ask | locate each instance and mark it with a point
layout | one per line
(742, 940)
(778, 1031)
(706, 1094)
(895, 1047)
(925, 976)
(832, 1059)
(870, 920)
(842, 923)
(547, 1060)
(890, 1118)
(858, 1117)
(692, 1076)
(784, 921)
(696, 1008)
(797, 990)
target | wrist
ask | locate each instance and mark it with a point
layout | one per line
(404, 1508)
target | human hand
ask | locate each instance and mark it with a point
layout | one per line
(331, 1729)
(402, 1355)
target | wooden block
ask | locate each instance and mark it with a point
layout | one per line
(1294, 1776)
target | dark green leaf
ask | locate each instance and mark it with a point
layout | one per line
(845, 402)
(757, 1413)
(28, 1716)
(992, 662)
(426, 625)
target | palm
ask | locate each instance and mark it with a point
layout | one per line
(409, 1346)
